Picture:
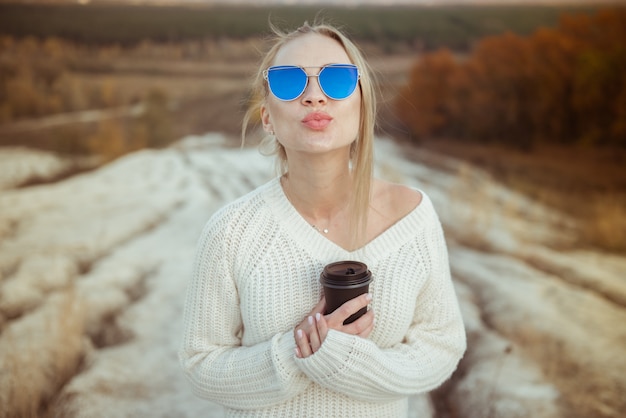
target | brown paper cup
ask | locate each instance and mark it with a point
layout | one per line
(342, 281)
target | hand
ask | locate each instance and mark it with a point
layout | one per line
(312, 331)
(308, 323)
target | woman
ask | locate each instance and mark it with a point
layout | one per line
(257, 338)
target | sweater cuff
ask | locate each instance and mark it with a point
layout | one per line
(332, 359)
(284, 347)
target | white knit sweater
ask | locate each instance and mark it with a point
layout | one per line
(256, 276)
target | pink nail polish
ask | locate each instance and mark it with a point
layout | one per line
(318, 316)
(299, 333)
(310, 320)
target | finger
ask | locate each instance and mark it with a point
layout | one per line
(304, 326)
(302, 343)
(368, 330)
(314, 338)
(348, 309)
(307, 324)
(322, 327)
(361, 325)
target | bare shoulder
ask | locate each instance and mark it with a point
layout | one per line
(395, 201)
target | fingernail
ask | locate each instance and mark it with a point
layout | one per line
(299, 333)
(310, 320)
(297, 352)
(318, 316)
(369, 296)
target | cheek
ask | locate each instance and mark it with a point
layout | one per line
(279, 112)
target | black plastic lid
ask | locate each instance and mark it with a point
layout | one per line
(345, 272)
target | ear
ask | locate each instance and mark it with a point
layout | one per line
(266, 120)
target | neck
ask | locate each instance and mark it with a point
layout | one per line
(319, 187)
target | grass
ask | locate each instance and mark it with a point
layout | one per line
(40, 353)
(588, 185)
(606, 223)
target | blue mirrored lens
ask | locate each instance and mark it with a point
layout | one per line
(286, 82)
(338, 81)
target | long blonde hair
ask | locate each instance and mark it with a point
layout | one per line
(361, 152)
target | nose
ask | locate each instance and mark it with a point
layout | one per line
(313, 93)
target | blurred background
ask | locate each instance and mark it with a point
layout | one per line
(530, 95)
(535, 93)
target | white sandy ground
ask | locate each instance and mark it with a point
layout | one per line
(93, 271)
(18, 164)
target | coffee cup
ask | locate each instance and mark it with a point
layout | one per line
(342, 281)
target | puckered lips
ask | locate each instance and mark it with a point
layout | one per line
(317, 120)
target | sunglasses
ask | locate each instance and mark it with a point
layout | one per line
(288, 82)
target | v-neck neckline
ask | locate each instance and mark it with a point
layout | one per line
(301, 231)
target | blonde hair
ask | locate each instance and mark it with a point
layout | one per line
(361, 152)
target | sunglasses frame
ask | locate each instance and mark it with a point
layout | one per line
(306, 84)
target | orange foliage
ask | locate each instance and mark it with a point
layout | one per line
(426, 110)
(564, 85)
(553, 63)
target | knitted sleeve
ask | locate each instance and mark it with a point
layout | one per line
(217, 365)
(429, 353)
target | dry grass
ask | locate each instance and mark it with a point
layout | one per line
(41, 350)
(588, 185)
(40, 353)
(186, 88)
(606, 224)
(586, 391)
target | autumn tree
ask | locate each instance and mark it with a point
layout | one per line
(553, 59)
(502, 91)
(561, 85)
(424, 102)
(599, 79)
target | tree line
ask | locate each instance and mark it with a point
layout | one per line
(563, 85)
(393, 27)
